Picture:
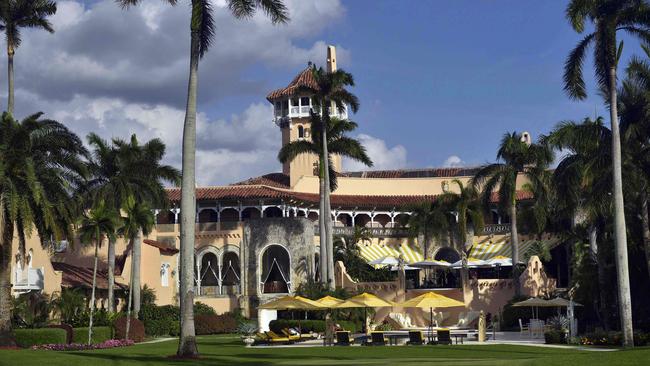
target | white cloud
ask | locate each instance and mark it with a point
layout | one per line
(117, 72)
(382, 156)
(453, 161)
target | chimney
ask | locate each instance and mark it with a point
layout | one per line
(331, 58)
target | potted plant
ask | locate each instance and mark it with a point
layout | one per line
(247, 331)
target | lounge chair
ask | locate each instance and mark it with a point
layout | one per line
(377, 339)
(294, 335)
(343, 338)
(261, 338)
(416, 338)
(275, 338)
(444, 336)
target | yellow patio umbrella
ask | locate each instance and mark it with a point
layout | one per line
(329, 301)
(365, 301)
(292, 303)
(431, 300)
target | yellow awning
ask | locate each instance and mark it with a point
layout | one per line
(409, 253)
(499, 246)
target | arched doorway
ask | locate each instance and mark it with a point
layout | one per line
(272, 212)
(276, 270)
(208, 274)
(230, 273)
(447, 254)
(250, 213)
(229, 219)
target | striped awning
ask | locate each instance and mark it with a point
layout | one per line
(409, 253)
(500, 246)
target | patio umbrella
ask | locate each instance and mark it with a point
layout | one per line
(385, 261)
(329, 301)
(431, 300)
(292, 303)
(430, 263)
(560, 302)
(365, 301)
(533, 302)
(471, 263)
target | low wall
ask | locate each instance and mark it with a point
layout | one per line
(222, 304)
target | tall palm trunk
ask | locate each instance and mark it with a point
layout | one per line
(10, 78)
(92, 295)
(620, 236)
(514, 243)
(327, 214)
(645, 225)
(321, 226)
(111, 275)
(130, 300)
(136, 259)
(187, 341)
(6, 334)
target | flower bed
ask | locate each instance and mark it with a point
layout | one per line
(111, 343)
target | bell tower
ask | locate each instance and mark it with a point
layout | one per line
(292, 106)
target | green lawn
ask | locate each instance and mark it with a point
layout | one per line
(229, 351)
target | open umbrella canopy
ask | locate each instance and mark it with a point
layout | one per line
(533, 301)
(500, 260)
(365, 300)
(431, 300)
(329, 301)
(292, 303)
(430, 263)
(558, 301)
(385, 261)
(472, 263)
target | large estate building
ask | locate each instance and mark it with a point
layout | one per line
(259, 238)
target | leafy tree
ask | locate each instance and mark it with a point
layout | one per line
(202, 33)
(338, 144)
(69, 305)
(609, 17)
(519, 157)
(101, 221)
(17, 14)
(40, 167)
(428, 220)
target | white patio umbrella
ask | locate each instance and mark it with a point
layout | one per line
(406, 268)
(385, 261)
(431, 263)
(472, 263)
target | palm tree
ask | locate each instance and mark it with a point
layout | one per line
(40, 168)
(100, 221)
(577, 180)
(139, 221)
(519, 156)
(609, 17)
(17, 14)
(338, 144)
(202, 32)
(144, 161)
(427, 220)
(127, 170)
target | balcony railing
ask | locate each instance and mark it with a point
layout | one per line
(495, 229)
(281, 117)
(28, 279)
(375, 232)
(201, 227)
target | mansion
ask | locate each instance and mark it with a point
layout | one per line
(259, 238)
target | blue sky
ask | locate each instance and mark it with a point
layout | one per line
(436, 79)
(450, 77)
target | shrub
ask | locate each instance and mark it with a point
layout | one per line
(175, 329)
(310, 325)
(158, 327)
(81, 347)
(555, 337)
(100, 335)
(154, 312)
(215, 324)
(203, 309)
(68, 331)
(33, 337)
(136, 329)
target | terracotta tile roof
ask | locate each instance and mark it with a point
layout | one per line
(164, 248)
(278, 180)
(304, 80)
(75, 276)
(413, 173)
(338, 200)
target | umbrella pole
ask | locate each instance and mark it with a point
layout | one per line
(430, 324)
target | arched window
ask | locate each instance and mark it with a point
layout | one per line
(230, 273)
(447, 254)
(301, 132)
(276, 271)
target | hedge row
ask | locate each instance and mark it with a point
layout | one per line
(31, 337)
(215, 324)
(602, 338)
(310, 325)
(555, 337)
(100, 335)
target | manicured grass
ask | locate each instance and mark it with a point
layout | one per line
(216, 350)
